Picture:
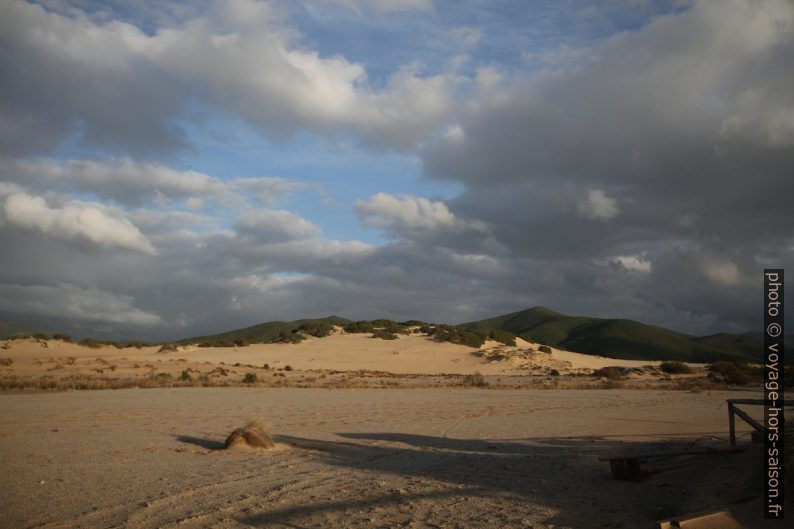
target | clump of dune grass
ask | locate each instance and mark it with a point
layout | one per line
(475, 379)
(252, 436)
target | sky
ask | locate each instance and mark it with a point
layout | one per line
(172, 169)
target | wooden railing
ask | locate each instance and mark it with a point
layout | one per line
(733, 410)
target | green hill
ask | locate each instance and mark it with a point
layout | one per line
(264, 332)
(619, 338)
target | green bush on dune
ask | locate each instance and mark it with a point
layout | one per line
(452, 334)
(505, 337)
(384, 335)
(412, 323)
(359, 327)
(318, 329)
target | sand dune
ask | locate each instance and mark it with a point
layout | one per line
(412, 354)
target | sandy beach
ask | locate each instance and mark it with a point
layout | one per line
(368, 433)
(355, 458)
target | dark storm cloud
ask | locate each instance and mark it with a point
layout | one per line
(674, 145)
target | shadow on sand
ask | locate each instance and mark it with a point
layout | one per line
(557, 482)
(209, 444)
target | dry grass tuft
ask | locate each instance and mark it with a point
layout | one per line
(252, 436)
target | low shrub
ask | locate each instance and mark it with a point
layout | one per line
(62, 337)
(317, 329)
(289, 337)
(359, 327)
(250, 378)
(554, 373)
(185, 376)
(288, 367)
(675, 368)
(730, 373)
(452, 334)
(609, 373)
(505, 337)
(544, 349)
(91, 343)
(384, 335)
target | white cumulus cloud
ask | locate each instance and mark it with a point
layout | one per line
(395, 213)
(84, 222)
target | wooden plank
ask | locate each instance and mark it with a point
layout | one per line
(710, 520)
(733, 409)
(752, 422)
(758, 402)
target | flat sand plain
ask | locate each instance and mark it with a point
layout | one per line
(355, 458)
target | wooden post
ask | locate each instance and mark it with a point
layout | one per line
(732, 423)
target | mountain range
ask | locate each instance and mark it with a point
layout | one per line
(621, 338)
(615, 338)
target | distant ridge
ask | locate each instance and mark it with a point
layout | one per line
(264, 332)
(613, 338)
(9, 329)
(621, 338)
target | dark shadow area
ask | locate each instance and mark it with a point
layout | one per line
(209, 444)
(560, 481)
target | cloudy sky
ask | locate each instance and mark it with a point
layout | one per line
(173, 169)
